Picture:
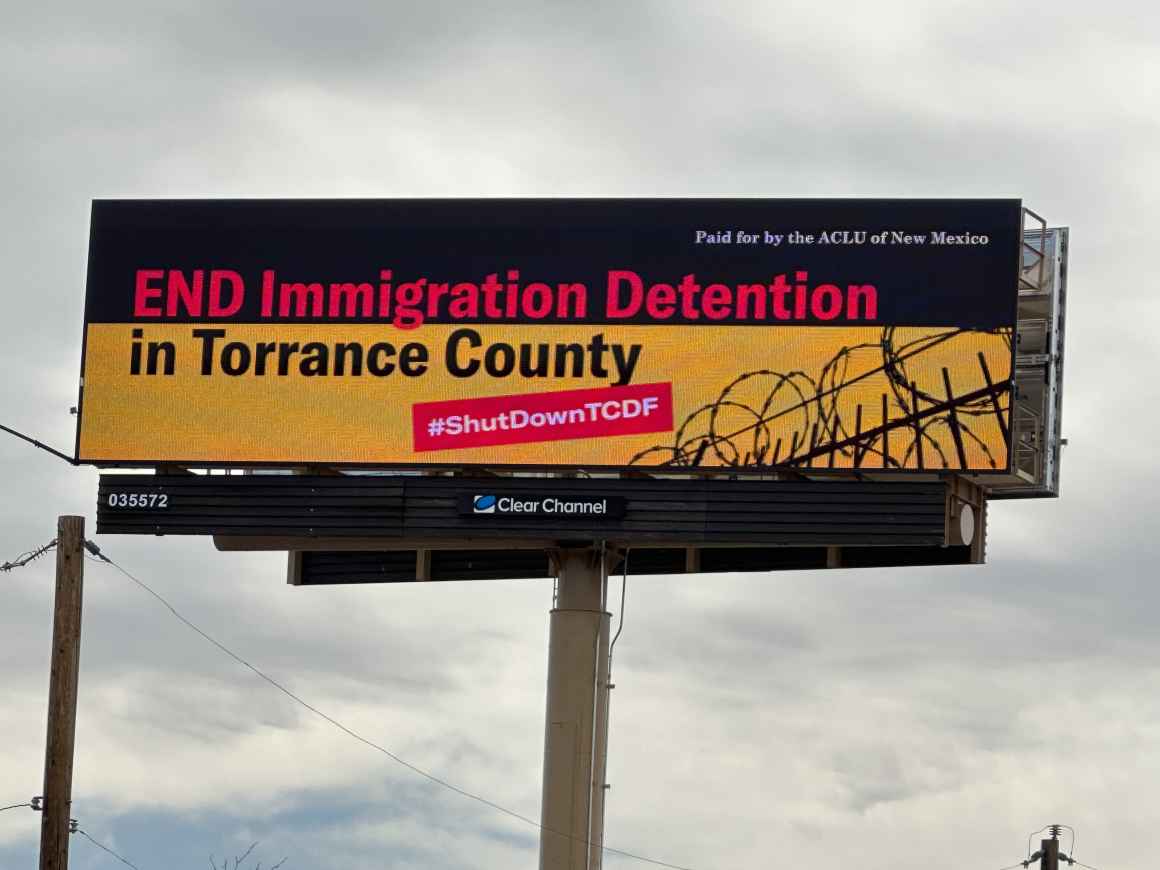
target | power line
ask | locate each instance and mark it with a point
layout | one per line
(39, 444)
(28, 556)
(95, 550)
(1054, 831)
(619, 628)
(1070, 851)
(77, 830)
(120, 858)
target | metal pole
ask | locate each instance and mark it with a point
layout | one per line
(62, 693)
(575, 732)
(600, 732)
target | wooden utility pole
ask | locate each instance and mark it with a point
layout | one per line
(62, 693)
(1049, 853)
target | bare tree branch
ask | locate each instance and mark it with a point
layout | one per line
(238, 861)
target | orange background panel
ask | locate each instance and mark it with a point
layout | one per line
(190, 417)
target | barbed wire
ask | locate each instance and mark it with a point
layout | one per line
(760, 412)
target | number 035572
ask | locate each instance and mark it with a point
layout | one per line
(140, 500)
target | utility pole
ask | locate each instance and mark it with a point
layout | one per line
(576, 726)
(62, 693)
(1048, 853)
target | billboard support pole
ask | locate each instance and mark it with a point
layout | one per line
(576, 722)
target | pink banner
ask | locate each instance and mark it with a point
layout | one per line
(555, 416)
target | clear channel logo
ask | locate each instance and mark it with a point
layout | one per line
(483, 504)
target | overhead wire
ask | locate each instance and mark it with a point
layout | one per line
(120, 858)
(95, 555)
(620, 625)
(28, 556)
(1071, 830)
(58, 454)
(77, 830)
(95, 550)
(1069, 856)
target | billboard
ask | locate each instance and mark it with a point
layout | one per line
(668, 335)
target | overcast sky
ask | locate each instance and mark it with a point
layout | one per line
(882, 718)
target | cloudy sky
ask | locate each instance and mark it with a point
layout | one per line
(888, 718)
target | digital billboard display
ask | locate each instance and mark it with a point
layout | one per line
(671, 335)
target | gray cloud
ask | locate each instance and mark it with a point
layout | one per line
(816, 717)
